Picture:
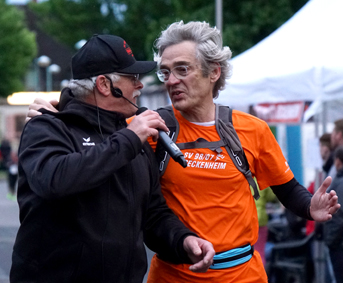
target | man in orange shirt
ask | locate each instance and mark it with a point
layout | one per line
(210, 196)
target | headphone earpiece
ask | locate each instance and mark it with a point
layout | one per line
(116, 92)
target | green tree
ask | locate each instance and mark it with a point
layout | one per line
(70, 21)
(18, 48)
(245, 22)
(144, 20)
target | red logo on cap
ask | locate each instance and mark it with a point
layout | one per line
(128, 49)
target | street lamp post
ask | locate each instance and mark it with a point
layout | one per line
(50, 70)
(42, 62)
(219, 15)
(80, 43)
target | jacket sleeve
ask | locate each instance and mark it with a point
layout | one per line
(164, 232)
(56, 166)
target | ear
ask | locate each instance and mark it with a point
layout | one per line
(216, 72)
(103, 85)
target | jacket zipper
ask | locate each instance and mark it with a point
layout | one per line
(132, 221)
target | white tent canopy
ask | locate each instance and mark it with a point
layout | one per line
(301, 61)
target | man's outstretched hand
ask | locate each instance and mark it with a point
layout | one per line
(200, 252)
(323, 204)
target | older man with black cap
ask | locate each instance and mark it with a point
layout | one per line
(89, 188)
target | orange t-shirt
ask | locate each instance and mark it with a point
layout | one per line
(213, 199)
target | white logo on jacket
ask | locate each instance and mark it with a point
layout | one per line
(87, 142)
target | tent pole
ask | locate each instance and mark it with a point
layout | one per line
(325, 120)
(219, 15)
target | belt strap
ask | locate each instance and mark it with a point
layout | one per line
(232, 257)
(202, 143)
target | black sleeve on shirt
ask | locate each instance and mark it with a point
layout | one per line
(294, 197)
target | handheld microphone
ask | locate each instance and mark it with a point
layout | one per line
(166, 141)
(168, 144)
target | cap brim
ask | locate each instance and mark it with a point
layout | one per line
(139, 67)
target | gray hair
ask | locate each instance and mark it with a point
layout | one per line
(84, 87)
(210, 50)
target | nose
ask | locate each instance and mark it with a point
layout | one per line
(139, 85)
(172, 79)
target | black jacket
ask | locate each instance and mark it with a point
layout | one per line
(88, 194)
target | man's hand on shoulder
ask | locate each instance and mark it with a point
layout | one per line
(39, 103)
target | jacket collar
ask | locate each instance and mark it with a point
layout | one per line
(94, 115)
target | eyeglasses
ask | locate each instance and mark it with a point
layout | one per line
(134, 77)
(180, 72)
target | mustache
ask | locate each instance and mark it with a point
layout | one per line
(136, 93)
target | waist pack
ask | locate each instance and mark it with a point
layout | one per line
(228, 139)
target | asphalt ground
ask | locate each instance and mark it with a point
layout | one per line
(9, 224)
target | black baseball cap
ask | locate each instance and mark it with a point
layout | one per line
(107, 54)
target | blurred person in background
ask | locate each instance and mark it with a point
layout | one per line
(10, 165)
(326, 152)
(336, 140)
(333, 229)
